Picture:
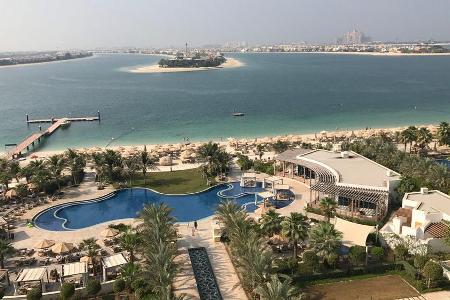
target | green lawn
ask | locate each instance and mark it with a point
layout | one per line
(176, 182)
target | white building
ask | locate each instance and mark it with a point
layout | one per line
(421, 218)
(361, 187)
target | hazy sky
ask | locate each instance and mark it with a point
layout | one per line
(61, 24)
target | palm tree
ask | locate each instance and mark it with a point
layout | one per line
(146, 163)
(208, 152)
(260, 150)
(271, 223)
(295, 228)
(113, 163)
(91, 247)
(131, 166)
(275, 289)
(76, 163)
(424, 137)
(325, 240)
(443, 134)
(56, 165)
(129, 241)
(328, 207)
(6, 249)
(409, 135)
(129, 272)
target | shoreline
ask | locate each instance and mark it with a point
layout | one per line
(46, 62)
(386, 54)
(230, 63)
(291, 137)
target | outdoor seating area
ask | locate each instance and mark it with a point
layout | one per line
(248, 180)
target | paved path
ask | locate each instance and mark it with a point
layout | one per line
(224, 271)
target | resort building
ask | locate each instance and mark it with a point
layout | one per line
(422, 217)
(361, 187)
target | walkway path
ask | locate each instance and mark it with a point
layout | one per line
(224, 271)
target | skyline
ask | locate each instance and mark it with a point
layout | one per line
(52, 24)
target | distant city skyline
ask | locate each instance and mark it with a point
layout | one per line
(29, 25)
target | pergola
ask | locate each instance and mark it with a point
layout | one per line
(353, 234)
(264, 195)
(269, 182)
(111, 263)
(248, 180)
(31, 275)
(75, 269)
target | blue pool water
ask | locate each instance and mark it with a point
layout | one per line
(128, 202)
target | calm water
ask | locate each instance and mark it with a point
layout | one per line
(127, 203)
(280, 93)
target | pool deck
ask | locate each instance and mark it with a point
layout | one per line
(225, 273)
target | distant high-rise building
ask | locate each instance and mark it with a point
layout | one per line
(353, 37)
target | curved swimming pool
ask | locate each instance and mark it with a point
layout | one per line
(127, 203)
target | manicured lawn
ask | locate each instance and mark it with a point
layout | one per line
(176, 182)
(382, 287)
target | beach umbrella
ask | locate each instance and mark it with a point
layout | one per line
(44, 244)
(88, 260)
(61, 248)
(11, 194)
(109, 232)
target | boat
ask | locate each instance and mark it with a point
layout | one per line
(65, 124)
(238, 114)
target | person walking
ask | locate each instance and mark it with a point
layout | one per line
(195, 225)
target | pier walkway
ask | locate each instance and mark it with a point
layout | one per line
(37, 136)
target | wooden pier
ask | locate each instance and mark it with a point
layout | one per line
(38, 136)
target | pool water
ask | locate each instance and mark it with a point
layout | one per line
(127, 203)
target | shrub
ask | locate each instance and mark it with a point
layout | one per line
(420, 261)
(310, 260)
(119, 285)
(357, 254)
(378, 253)
(34, 294)
(93, 287)
(67, 290)
(401, 251)
(432, 272)
(2, 292)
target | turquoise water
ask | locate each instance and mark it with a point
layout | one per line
(129, 202)
(280, 94)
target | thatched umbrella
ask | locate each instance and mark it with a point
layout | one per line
(88, 260)
(109, 232)
(61, 248)
(11, 194)
(44, 244)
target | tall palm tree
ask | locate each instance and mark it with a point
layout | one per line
(76, 163)
(328, 207)
(409, 135)
(147, 162)
(275, 289)
(295, 228)
(325, 240)
(260, 150)
(270, 223)
(424, 137)
(443, 134)
(6, 249)
(113, 163)
(56, 165)
(130, 241)
(91, 248)
(131, 166)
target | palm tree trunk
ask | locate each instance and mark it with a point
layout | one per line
(295, 249)
(2, 263)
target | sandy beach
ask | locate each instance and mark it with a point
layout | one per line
(394, 54)
(230, 63)
(228, 142)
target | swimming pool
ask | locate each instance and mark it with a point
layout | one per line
(127, 203)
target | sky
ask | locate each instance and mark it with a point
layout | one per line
(88, 24)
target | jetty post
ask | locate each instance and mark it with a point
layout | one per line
(98, 114)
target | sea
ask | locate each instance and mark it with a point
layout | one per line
(279, 93)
